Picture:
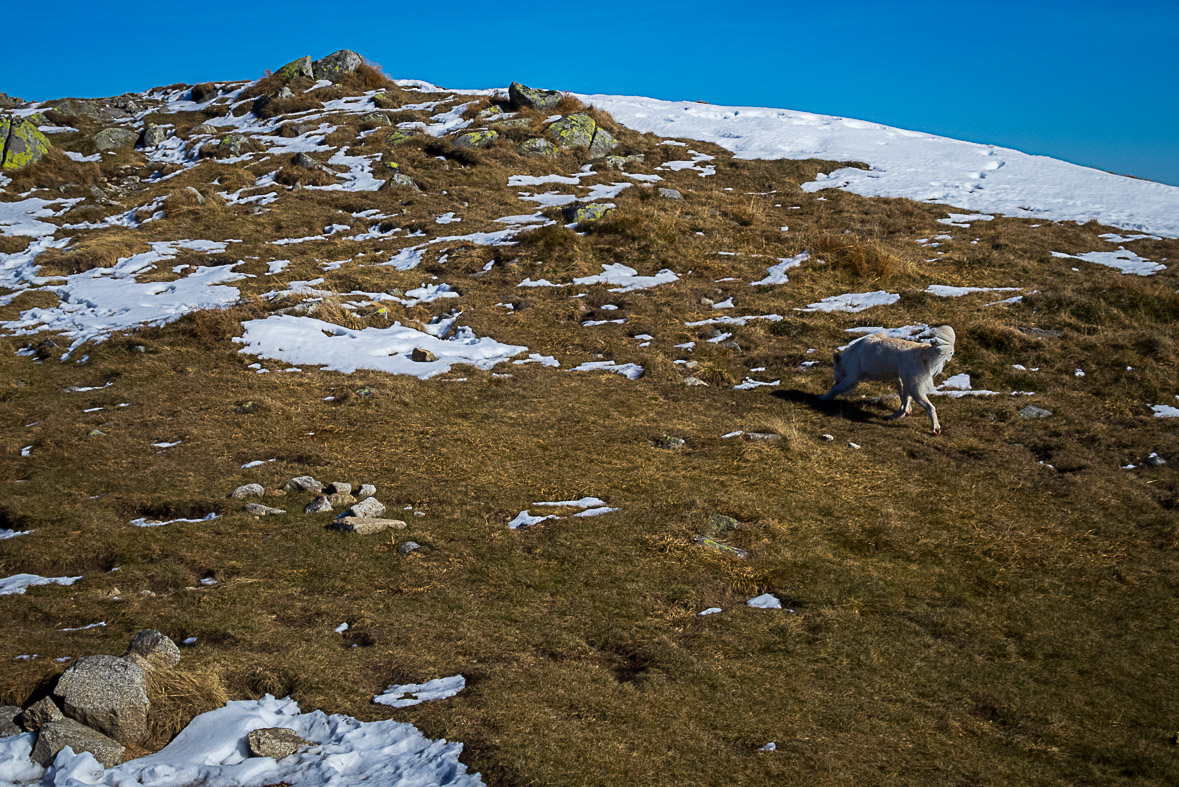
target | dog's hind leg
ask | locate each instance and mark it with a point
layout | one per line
(921, 395)
(906, 401)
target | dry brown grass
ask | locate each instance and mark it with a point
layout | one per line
(861, 258)
(94, 251)
(177, 696)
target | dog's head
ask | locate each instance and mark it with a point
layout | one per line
(837, 359)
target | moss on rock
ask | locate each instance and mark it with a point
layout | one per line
(22, 143)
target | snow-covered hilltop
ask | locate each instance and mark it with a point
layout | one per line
(911, 164)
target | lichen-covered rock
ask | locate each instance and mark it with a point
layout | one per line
(364, 526)
(603, 143)
(480, 138)
(115, 137)
(397, 137)
(276, 742)
(523, 122)
(56, 735)
(377, 118)
(490, 111)
(21, 143)
(303, 483)
(585, 214)
(573, 131)
(537, 147)
(107, 693)
(300, 67)
(151, 649)
(40, 713)
(522, 96)
(233, 143)
(8, 725)
(337, 63)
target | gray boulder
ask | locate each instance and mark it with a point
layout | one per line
(370, 507)
(8, 725)
(378, 118)
(233, 143)
(536, 147)
(151, 649)
(670, 194)
(303, 483)
(399, 179)
(40, 713)
(318, 505)
(247, 490)
(1031, 411)
(152, 135)
(115, 137)
(603, 143)
(336, 64)
(107, 693)
(573, 131)
(398, 137)
(203, 128)
(339, 488)
(366, 490)
(533, 98)
(56, 735)
(365, 525)
(276, 742)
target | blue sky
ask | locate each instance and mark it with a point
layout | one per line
(1091, 83)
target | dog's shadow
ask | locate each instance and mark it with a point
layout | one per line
(843, 408)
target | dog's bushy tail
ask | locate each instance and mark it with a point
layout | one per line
(941, 348)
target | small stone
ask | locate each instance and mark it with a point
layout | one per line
(8, 726)
(301, 159)
(232, 143)
(40, 712)
(247, 490)
(420, 355)
(203, 128)
(318, 505)
(694, 381)
(399, 179)
(276, 742)
(303, 483)
(669, 442)
(762, 437)
(712, 543)
(621, 162)
(150, 649)
(1031, 411)
(1154, 460)
(408, 546)
(284, 92)
(257, 509)
(200, 198)
(56, 735)
(107, 693)
(338, 488)
(370, 507)
(366, 490)
(827, 437)
(670, 194)
(364, 526)
(397, 137)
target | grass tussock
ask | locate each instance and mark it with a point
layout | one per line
(177, 696)
(54, 171)
(292, 175)
(94, 251)
(861, 258)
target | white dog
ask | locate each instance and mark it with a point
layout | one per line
(911, 364)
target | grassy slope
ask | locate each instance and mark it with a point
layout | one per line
(963, 612)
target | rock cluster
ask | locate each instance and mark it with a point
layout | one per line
(362, 511)
(98, 705)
